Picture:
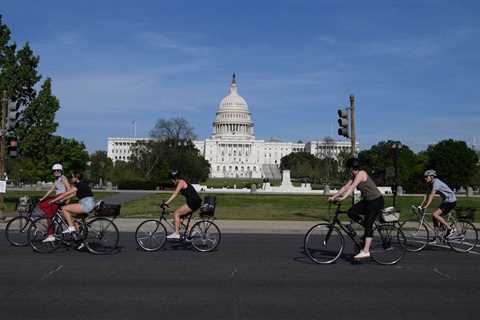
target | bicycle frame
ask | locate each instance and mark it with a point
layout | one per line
(335, 221)
(422, 215)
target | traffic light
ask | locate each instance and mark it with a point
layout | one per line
(12, 147)
(344, 123)
(12, 116)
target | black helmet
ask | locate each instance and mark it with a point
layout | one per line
(353, 163)
(174, 174)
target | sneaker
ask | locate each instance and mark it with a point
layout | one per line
(69, 230)
(81, 247)
(362, 255)
(432, 241)
(174, 236)
(451, 233)
(50, 238)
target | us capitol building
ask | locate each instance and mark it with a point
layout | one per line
(232, 150)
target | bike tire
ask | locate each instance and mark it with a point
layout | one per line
(16, 231)
(416, 235)
(38, 231)
(102, 236)
(151, 235)
(466, 237)
(205, 236)
(320, 249)
(388, 244)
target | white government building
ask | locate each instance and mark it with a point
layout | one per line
(232, 150)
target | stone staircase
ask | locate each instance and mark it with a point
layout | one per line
(271, 172)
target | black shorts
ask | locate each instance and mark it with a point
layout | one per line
(194, 205)
(446, 207)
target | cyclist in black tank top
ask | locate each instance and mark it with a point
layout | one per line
(193, 201)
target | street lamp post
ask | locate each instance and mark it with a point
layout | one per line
(396, 150)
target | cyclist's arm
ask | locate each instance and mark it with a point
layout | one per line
(174, 194)
(48, 193)
(67, 195)
(67, 187)
(341, 191)
(361, 176)
(428, 200)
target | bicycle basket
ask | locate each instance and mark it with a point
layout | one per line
(108, 210)
(389, 215)
(208, 206)
(465, 213)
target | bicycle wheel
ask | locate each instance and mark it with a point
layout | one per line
(102, 236)
(323, 243)
(38, 231)
(416, 235)
(151, 235)
(205, 236)
(465, 237)
(388, 244)
(16, 231)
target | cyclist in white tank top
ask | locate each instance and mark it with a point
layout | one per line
(60, 185)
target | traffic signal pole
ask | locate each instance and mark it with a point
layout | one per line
(4, 104)
(352, 126)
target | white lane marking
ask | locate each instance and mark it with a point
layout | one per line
(443, 274)
(234, 271)
(48, 274)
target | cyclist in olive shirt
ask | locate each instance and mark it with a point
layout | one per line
(370, 206)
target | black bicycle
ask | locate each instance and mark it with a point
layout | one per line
(203, 236)
(324, 242)
(16, 230)
(99, 235)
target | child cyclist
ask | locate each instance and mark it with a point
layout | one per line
(449, 201)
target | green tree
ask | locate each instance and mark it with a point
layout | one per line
(378, 161)
(300, 164)
(101, 166)
(155, 159)
(37, 124)
(18, 69)
(454, 162)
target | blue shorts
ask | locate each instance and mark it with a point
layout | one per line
(87, 204)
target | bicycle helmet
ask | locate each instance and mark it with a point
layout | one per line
(353, 163)
(57, 166)
(174, 174)
(428, 173)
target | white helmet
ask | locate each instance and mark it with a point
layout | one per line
(57, 166)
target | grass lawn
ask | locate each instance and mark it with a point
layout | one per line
(273, 207)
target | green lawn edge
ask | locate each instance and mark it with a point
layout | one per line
(274, 206)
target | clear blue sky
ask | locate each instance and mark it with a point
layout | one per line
(413, 65)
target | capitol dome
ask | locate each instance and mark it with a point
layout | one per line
(233, 119)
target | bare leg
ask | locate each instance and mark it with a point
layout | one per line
(368, 243)
(70, 209)
(178, 214)
(437, 216)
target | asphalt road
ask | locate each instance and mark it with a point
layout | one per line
(249, 277)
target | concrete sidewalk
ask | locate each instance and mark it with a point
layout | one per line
(228, 226)
(234, 226)
(238, 226)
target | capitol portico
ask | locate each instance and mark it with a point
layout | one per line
(232, 150)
